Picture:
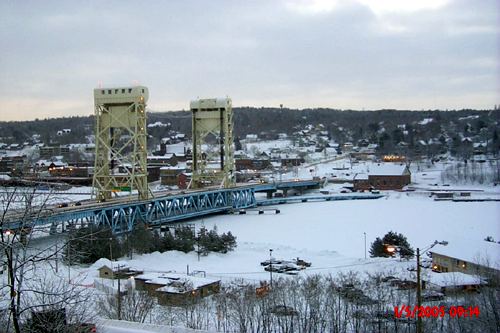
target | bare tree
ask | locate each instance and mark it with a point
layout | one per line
(134, 305)
(32, 283)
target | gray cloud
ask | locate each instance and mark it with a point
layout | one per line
(259, 52)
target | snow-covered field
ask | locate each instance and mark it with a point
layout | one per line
(331, 235)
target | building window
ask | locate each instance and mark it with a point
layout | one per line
(103, 91)
(123, 91)
(116, 91)
(143, 91)
(130, 91)
(109, 92)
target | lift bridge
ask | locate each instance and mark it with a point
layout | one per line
(120, 113)
(122, 216)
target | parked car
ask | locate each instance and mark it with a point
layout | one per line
(301, 262)
(78, 203)
(282, 268)
(62, 205)
(272, 261)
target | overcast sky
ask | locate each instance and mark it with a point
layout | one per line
(356, 54)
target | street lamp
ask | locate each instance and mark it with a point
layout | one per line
(271, 267)
(391, 249)
(419, 287)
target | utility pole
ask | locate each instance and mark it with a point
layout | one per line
(119, 296)
(271, 267)
(69, 259)
(419, 294)
(57, 259)
(364, 233)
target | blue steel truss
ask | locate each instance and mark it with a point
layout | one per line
(121, 217)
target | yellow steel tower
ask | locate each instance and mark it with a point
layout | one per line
(213, 155)
(120, 141)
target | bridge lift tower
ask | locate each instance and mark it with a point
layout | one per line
(120, 141)
(213, 154)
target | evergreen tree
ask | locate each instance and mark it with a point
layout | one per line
(141, 239)
(379, 246)
(89, 244)
(168, 242)
(377, 249)
(228, 241)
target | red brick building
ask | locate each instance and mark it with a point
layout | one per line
(383, 176)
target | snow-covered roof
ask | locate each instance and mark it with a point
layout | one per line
(477, 252)
(114, 265)
(176, 148)
(469, 117)
(176, 282)
(158, 124)
(361, 176)
(425, 121)
(161, 157)
(177, 167)
(453, 279)
(387, 169)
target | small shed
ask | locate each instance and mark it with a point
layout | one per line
(117, 270)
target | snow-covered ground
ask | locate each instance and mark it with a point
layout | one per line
(330, 235)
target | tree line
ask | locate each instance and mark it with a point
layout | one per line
(386, 128)
(90, 243)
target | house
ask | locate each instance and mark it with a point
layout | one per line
(153, 173)
(251, 137)
(252, 164)
(452, 281)
(48, 152)
(479, 257)
(183, 180)
(290, 160)
(176, 288)
(59, 169)
(12, 164)
(117, 270)
(383, 176)
(163, 160)
(347, 147)
(170, 175)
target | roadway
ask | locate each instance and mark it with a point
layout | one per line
(167, 205)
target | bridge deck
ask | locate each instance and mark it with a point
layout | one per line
(122, 214)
